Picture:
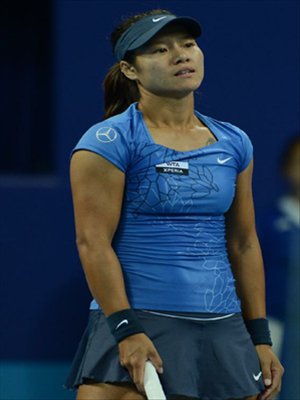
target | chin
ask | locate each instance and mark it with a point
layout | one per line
(184, 91)
(181, 91)
(190, 84)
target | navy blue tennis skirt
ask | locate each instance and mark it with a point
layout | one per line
(202, 359)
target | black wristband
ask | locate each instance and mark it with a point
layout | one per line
(124, 323)
(259, 331)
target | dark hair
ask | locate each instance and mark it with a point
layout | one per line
(287, 153)
(119, 91)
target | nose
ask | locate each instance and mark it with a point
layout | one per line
(180, 55)
(182, 58)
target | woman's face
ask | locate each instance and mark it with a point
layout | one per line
(170, 65)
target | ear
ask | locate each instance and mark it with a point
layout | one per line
(128, 70)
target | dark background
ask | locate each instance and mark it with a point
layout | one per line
(54, 56)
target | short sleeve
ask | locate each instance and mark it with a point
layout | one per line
(240, 144)
(109, 141)
(246, 151)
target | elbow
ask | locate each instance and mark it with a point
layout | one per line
(240, 248)
(91, 244)
(82, 241)
(84, 247)
(243, 243)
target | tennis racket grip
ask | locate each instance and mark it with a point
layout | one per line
(152, 385)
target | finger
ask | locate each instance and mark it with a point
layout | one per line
(126, 364)
(266, 394)
(274, 388)
(267, 374)
(276, 377)
(267, 378)
(138, 370)
(156, 361)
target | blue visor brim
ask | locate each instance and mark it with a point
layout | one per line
(144, 30)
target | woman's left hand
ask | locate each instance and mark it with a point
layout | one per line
(272, 371)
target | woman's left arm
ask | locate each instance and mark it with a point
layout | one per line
(247, 264)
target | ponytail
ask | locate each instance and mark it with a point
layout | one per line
(119, 92)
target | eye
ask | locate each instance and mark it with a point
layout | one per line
(160, 50)
(190, 44)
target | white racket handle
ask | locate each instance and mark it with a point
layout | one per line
(152, 385)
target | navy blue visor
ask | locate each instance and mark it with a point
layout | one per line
(143, 30)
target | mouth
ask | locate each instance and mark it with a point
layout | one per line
(185, 72)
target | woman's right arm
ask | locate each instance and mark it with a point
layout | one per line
(97, 190)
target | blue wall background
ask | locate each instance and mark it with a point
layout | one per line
(252, 80)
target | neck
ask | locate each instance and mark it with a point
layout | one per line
(161, 111)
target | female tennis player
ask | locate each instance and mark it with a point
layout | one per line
(166, 234)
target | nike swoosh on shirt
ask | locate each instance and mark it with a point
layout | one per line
(256, 377)
(157, 19)
(125, 321)
(224, 161)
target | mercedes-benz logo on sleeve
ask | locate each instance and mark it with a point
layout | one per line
(106, 134)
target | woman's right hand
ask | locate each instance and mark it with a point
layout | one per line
(134, 351)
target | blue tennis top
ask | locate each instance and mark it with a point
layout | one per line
(170, 240)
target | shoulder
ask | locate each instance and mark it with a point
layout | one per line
(227, 129)
(111, 138)
(117, 131)
(112, 128)
(232, 138)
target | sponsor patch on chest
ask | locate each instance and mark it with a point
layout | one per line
(173, 167)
